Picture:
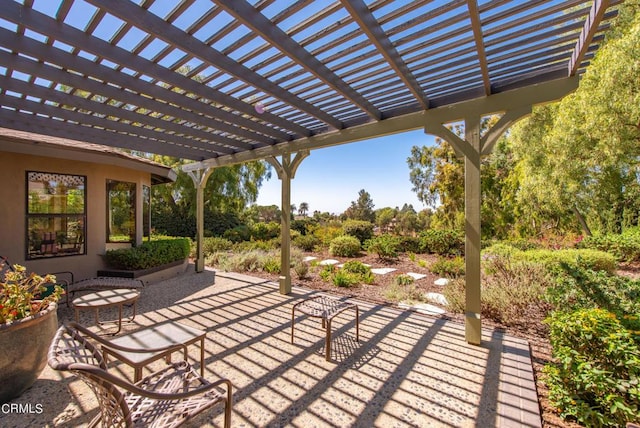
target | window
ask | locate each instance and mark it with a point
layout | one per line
(121, 211)
(146, 211)
(56, 214)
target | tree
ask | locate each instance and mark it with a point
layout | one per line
(578, 160)
(303, 209)
(384, 217)
(362, 209)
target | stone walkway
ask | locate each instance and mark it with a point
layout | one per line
(407, 370)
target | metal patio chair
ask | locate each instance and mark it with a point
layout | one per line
(166, 398)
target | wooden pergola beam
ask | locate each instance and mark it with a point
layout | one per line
(476, 25)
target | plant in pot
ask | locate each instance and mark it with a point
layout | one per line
(28, 323)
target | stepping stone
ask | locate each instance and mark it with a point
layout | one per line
(329, 262)
(416, 276)
(309, 258)
(382, 271)
(437, 298)
(441, 281)
(423, 308)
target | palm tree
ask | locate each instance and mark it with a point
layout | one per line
(303, 209)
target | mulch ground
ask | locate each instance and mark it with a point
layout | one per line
(533, 330)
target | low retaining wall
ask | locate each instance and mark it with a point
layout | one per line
(151, 275)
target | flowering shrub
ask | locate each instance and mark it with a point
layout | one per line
(596, 372)
(20, 294)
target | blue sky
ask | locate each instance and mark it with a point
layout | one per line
(330, 178)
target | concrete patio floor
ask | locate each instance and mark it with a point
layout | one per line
(407, 369)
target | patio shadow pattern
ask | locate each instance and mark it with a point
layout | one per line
(407, 369)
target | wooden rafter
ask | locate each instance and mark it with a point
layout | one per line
(476, 25)
(159, 28)
(363, 16)
(591, 25)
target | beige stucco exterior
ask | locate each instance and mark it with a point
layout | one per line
(98, 168)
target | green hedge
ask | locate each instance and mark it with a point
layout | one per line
(625, 247)
(149, 254)
(553, 259)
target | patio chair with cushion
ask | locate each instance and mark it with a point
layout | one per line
(166, 398)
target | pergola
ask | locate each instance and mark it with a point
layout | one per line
(229, 81)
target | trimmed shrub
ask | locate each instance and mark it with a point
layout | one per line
(597, 371)
(449, 267)
(553, 259)
(344, 246)
(442, 241)
(306, 242)
(625, 247)
(362, 230)
(215, 244)
(385, 246)
(150, 254)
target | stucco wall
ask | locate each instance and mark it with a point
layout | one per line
(13, 167)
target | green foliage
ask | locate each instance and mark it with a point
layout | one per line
(256, 245)
(271, 264)
(362, 209)
(237, 234)
(597, 371)
(449, 267)
(626, 246)
(344, 246)
(306, 242)
(511, 287)
(301, 269)
(442, 241)
(214, 244)
(361, 270)
(362, 230)
(326, 273)
(385, 246)
(327, 233)
(21, 294)
(404, 279)
(409, 244)
(584, 288)
(403, 293)
(264, 231)
(149, 254)
(345, 279)
(554, 259)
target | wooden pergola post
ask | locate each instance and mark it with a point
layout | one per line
(286, 170)
(200, 177)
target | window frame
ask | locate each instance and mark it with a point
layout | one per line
(81, 218)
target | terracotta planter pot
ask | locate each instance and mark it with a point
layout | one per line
(23, 351)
